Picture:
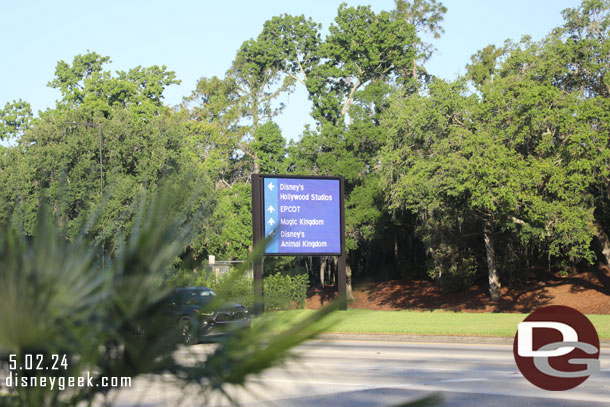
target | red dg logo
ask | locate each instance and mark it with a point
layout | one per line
(556, 348)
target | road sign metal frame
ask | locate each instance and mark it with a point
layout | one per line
(258, 233)
(341, 212)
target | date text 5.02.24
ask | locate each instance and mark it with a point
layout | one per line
(30, 361)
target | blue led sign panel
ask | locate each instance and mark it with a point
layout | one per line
(302, 216)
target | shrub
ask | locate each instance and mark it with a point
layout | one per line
(282, 290)
(234, 287)
(453, 269)
(285, 291)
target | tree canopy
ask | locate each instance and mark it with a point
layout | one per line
(465, 181)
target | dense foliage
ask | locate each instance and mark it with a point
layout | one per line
(465, 181)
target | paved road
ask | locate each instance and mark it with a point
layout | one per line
(348, 373)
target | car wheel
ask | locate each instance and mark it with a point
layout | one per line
(186, 331)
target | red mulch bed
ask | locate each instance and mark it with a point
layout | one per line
(587, 291)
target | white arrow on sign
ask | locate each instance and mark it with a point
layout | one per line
(271, 209)
(271, 186)
(271, 222)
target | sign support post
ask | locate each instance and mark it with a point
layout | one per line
(341, 264)
(342, 279)
(257, 237)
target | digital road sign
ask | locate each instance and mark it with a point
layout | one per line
(297, 216)
(302, 216)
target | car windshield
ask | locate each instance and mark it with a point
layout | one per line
(196, 297)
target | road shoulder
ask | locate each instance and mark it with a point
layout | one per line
(490, 340)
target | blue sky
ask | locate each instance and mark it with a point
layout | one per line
(200, 38)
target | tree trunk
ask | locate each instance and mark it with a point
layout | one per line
(603, 241)
(308, 268)
(494, 280)
(395, 248)
(334, 270)
(349, 294)
(322, 271)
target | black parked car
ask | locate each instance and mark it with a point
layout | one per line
(196, 313)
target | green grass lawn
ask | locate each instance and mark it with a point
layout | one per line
(424, 322)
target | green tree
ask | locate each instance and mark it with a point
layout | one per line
(426, 17)
(215, 132)
(229, 228)
(362, 47)
(270, 148)
(484, 64)
(520, 164)
(348, 83)
(259, 84)
(71, 79)
(15, 119)
(294, 42)
(86, 85)
(61, 160)
(110, 127)
(438, 168)
(581, 45)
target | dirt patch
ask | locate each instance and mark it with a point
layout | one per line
(587, 291)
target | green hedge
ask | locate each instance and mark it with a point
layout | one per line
(235, 289)
(285, 291)
(282, 291)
